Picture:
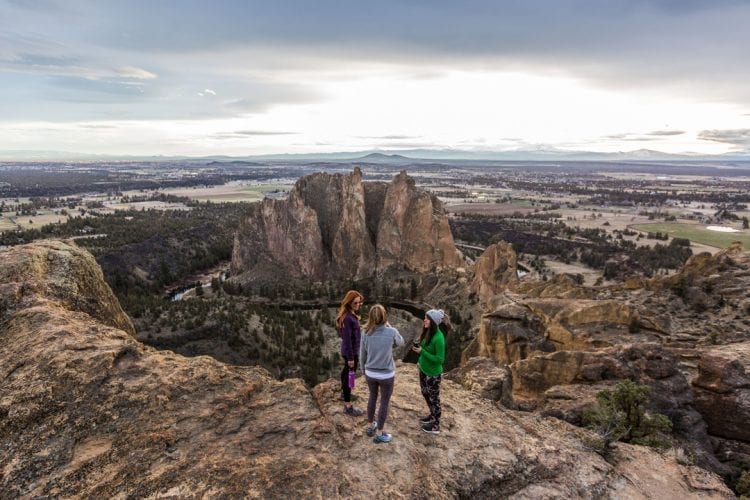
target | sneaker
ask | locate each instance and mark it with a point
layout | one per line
(426, 419)
(353, 412)
(370, 429)
(431, 428)
(382, 438)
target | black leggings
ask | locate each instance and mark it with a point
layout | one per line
(430, 387)
(345, 379)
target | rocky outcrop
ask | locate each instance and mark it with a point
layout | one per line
(486, 378)
(645, 363)
(87, 411)
(335, 226)
(516, 327)
(684, 335)
(495, 269)
(722, 390)
(59, 274)
(561, 286)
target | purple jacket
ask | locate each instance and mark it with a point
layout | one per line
(350, 335)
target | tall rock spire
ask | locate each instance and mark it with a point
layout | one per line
(335, 226)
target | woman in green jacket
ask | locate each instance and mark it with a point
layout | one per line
(431, 350)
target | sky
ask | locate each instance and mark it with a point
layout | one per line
(245, 77)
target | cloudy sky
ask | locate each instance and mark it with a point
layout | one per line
(242, 77)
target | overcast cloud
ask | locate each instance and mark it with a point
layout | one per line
(91, 60)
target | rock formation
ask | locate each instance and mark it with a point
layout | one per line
(722, 390)
(495, 269)
(556, 345)
(88, 411)
(336, 226)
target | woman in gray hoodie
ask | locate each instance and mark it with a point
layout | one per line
(376, 355)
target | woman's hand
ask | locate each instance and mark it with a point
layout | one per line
(351, 363)
(416, 349)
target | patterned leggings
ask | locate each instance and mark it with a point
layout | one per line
(431, 391)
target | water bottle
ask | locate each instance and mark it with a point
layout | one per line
(352, 374)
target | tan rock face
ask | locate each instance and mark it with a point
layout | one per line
(517, 327)
(62, 273)
(336, 226)
(646, 363)
(722, 390)
(280, 236)
(87, 411)
(414, 230)
(495, 269)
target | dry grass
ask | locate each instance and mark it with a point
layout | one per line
(231, 192)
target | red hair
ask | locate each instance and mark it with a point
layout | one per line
(346, 306)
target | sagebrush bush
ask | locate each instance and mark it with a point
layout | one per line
(620, 415)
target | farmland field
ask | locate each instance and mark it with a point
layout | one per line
(230, 192)
(697, 233)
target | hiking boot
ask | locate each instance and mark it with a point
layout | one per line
(426, 419)
(370, 429)
(353, 412)
(382, 438)
(431, 428)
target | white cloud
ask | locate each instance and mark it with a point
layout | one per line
(135, 73)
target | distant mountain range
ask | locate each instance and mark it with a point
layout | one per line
(391, 156)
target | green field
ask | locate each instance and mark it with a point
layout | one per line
(696, 233)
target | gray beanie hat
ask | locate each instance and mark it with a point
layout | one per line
(436, 315)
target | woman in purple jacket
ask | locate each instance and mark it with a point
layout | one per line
(347, 323)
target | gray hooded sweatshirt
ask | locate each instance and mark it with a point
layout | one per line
(376, 351)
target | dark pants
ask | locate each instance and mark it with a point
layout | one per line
(345, 379)
(431, 391)
(386, 389)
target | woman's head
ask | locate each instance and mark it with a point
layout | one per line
(351, 303)
(432, 320)
(352, 300)
(376, 317)
(436, 315)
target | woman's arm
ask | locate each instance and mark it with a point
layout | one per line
(363, 352)
(397, 338)
(439, 355)
(346, 338)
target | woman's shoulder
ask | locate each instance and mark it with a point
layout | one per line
(391, 330)
(384, 330)
(351, 318)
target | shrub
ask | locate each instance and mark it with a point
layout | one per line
(743, 485)
(620, 415)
